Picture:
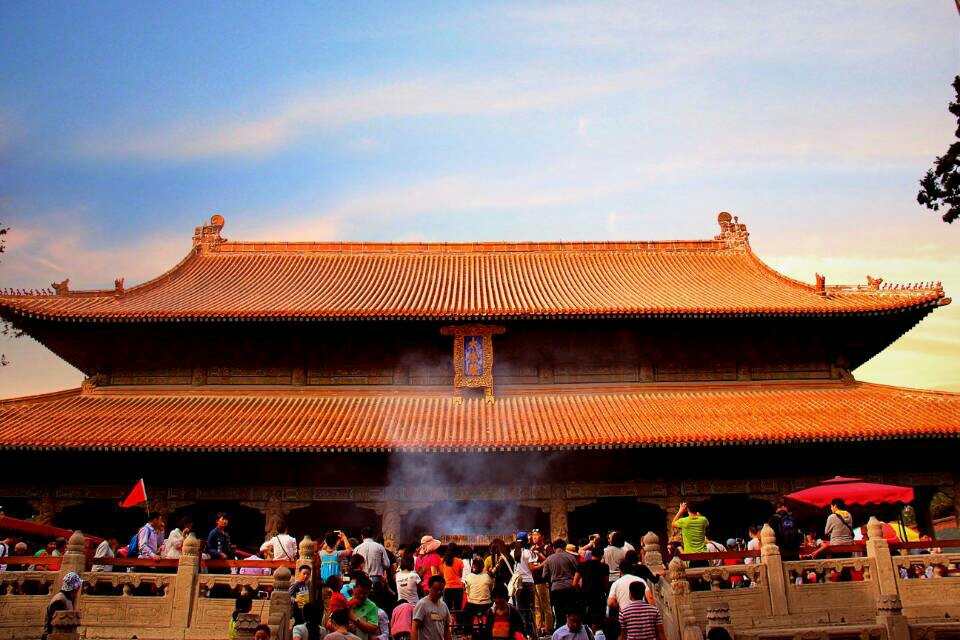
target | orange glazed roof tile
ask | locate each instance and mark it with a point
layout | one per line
(112, 419)
(256, 280)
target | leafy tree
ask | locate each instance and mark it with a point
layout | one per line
(941, 186)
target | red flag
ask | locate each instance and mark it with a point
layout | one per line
(137, 496)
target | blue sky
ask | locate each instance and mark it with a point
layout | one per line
(124, 125)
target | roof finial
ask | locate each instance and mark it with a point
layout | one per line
(207, 237)
(821, 284)
(732, 231)
(62, 288)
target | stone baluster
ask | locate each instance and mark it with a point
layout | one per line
(718, 615)
(651, 553)
(776, 582)
(65, 625)
(878, 548)
(890, 615)
(279, 619)
(188, 572)
(307, 548)
(683, 608)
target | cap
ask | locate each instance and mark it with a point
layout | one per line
(71, 582)
(521, 536)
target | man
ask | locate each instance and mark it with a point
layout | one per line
(431, 617)
(105, 550)
(640, 620)
(754, 544)
(574, 629)
(524, 597)
(619, 596)
(218, 541)
(375, 559)
(340, 621)
(839, 528)
(560, 569)
(149, 537)
(63, 600)
(364, 613)
(543, 612)
(693, 530)
(785, 527)
(6, 549)
(299, 593)
(613, 554)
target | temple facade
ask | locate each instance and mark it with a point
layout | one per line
(467, 389)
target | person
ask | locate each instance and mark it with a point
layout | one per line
(591, 581)
(524, 560)
(574, 629)
(402, 619)
(479, 587)
(106, 549)
(839, 528)
(499, 564)
(299, 593)
(173, 547)
(613, 554)
(428, 560)
(640, 620)
(693, 528)
(21, 549)
(503, 621)
(718, 633)
(754, 544)
(331, 556)
(383, 622)
(340, 621)
(64, 600)
(363, 610)
(262, 632)
(243, 604)
(149, 537)
(6, 549)
(311, 629)
(714, 546)
(543, 612)
(452, 571)
(785, 528)
(284, 545)
(618, 597)
(408, 581)
(356, 569)
(560, 569)
(431, 616)
(375, 557)
(336, 599)
(218, 541)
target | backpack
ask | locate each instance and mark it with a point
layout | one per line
(789, 534)
(133, 548)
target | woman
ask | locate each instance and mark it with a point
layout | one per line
(64, 600)
(428, 560)
(499, 564)
(478, 585)
(503, 620)
(452, 572)
(173, 547)
(331, 556)
(311, 629)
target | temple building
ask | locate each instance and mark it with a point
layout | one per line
(467, 389)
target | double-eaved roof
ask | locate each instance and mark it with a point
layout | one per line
(449, 281)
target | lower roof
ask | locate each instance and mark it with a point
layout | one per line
(231, 419)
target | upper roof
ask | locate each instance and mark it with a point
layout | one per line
(170, 419)
(445, 281)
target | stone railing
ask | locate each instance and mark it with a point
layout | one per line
(165, 601)
(876, 595)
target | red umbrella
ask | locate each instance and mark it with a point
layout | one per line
(853, 491)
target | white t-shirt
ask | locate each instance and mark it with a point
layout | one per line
(407, 582)
(103, 551)
(284, 547)
(753, 545)
(173, 547)
(478, 587)
(300, 631)
(620, 589)
(523, 567)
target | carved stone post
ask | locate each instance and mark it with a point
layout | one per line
(184, 594)
(651, 552)
(247, 624)
(279, 619)
(74, 559)
(558, 513)
(879, 549)
(65, 624)
(776, 578)
(890, 615)
(306, 560)
(390, 519)
(718, 616)
(680, 590)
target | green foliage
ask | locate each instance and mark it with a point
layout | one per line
(940, 187)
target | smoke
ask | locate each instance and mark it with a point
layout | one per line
(473, 494)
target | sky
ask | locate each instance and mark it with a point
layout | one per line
(123, 125)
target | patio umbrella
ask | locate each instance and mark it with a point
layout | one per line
(853, 491)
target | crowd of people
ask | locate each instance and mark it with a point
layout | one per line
(526, 587)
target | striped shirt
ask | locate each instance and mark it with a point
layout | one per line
(639, 621)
